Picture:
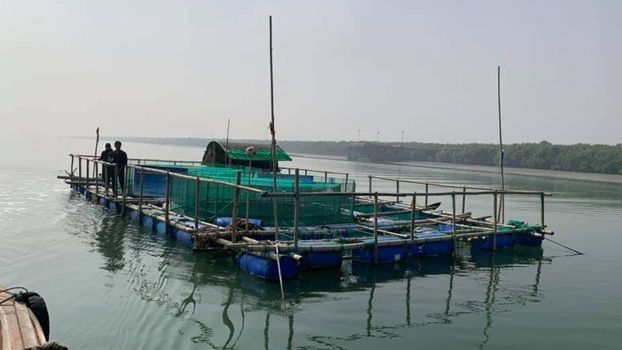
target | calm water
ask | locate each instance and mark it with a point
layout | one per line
(112, 285)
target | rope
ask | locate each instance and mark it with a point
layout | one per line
(567, 247)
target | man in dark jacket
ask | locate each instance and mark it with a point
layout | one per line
(105, 157)
(119, 158)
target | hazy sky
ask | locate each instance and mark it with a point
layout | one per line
(181, 68)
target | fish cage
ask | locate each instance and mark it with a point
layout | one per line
(313, 220)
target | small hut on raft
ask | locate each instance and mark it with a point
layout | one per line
(235, 154)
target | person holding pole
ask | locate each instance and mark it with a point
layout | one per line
(119, 157)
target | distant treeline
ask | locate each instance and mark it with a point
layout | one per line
(603, 159)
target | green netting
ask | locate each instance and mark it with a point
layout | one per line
(262, 155)
(217, 200)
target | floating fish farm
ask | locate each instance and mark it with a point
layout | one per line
(314, 219)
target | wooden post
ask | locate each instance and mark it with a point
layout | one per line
(197, 203)
(494, 234)
(96, 177)
(375, 227)
(167, 201)
(542, 211)
(426, 194)
(126, 176)
(370, 183)
(296, 208)
(346, 188)
(453, 220)
(207, 199)
(501, 155)
(71, 170)
(115, 181)
(236, 205)
(397, 188)
(80, 169)
(87, 177)
(463, 199)
(326, 176)
(140, 196)
(413, 216)
(107, 180)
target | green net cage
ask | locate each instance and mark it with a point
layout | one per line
(218, 200)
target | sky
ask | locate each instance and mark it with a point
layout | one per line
(164, 68)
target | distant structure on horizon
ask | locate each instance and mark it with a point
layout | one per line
(388, 152)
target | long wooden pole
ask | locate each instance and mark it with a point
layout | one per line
(273, 132)
(453, 220)
(494, 233)
(95, 155)
(501, 155)
(96, 176)
(107, 180)
(375, 228)
(126, 176)
(236, 208)
(197, 204)
(140, 195)
(542, 211)
(296, 208)
(413, 216)
(167, 201)
(248, 194)
(426, 194)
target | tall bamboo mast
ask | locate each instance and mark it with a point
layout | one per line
(273, 132)
(501, 215)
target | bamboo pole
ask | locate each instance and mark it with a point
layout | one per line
(107, 180)
(71, 170)
(296, 208)
(248, 194)
(80, 168)
(501, 155)
(370, 186)
(126, 176)
(435, 184)
(273, 132)
(426, 194)
(346, 187)
(140, 195)
(453, 220)
(463, 199)
(326, 176)
(167, 202)
(86, 193)
(96, 166)
(95, 154)
(542, 211)
(236, 206)
(197, 204)
(494, 233)
(397, 190)
(116, 181)
(413, 216)
(375, 228)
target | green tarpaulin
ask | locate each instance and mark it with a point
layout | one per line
(262, 155)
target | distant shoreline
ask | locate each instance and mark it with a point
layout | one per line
(571, 175)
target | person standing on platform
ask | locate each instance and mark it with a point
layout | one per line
(119, 158)
(105, 157)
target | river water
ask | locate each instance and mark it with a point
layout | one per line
(110, 284)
